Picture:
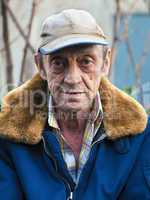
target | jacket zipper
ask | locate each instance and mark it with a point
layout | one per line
(61, 177)
(70, 197)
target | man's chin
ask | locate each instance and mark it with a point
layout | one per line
(71, 108)
(74, 107)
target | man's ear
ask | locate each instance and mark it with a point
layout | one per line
(107, 62)
(39, 64)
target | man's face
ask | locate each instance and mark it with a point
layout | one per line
(73, 75)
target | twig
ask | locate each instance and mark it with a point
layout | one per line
(138, 66)
(27, 41)
(12, 41)
(115, 35)
(18, 25)
(129, 49)
(5, 33)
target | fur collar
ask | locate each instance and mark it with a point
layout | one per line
(22, 118)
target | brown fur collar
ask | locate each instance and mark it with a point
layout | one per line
(20, 121)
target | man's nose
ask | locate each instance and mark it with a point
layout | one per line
(72, 74)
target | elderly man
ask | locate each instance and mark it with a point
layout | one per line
(69, 133)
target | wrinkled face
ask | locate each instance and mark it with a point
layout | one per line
(73, 75)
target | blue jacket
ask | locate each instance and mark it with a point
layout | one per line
(32, 165)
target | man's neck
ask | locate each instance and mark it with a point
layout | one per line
(71, 121)
(72, 126)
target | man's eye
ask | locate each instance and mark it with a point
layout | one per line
(86, 61)
(57, 63)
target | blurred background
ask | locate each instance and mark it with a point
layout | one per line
(125, 22)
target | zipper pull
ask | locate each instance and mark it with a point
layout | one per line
(71, 196)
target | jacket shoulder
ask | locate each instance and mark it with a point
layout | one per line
(146, 132)
(144, 153)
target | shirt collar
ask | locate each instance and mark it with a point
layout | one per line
(51, 114)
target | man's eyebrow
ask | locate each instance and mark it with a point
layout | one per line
(57, 56)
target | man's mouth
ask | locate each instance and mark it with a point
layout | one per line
(73, 92)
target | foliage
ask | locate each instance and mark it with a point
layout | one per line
(128, 90)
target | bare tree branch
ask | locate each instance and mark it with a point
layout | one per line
(138, 68)
(117, 18)
(13, 40)
(115, 33)
(18, 25)
(146, 50)
(130, 53)
(147, 2)
(5, 33)
(137, 65)
(27, 41)
(125, 37)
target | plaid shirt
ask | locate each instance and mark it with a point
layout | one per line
(93, 124)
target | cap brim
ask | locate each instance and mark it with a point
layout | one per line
(69, 40)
